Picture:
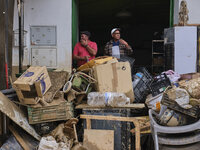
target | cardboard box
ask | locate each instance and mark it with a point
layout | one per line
(114, 77)
(33, 83)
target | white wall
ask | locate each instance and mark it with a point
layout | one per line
(48, 12)
(194, 11)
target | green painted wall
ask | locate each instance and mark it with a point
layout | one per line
(171, 19)
(74, 22)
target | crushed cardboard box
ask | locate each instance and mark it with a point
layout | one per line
(34, 82)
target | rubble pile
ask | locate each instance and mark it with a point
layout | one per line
(181, 100)
(49, 99)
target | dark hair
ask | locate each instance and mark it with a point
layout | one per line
(86, 33)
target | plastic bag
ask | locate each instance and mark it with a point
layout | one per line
(173, 76)
(49, 143)
(107, 99)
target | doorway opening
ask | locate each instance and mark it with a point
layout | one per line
(140, 22)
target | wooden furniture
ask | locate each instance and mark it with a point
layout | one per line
(137, 121)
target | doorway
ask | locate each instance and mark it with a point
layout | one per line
(140, 22)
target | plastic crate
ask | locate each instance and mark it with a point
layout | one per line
(159, 84)
(142, 88)
(129, 59)
(62, 111)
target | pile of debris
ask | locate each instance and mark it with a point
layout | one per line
(104, 81)
(49, 98)
(41, 97)
(176, 98)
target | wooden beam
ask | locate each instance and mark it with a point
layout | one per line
(19, 138)
(125, 119)
(88, 123)
(143, 128)
(130, 106)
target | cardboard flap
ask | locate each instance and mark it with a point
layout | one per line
(38, 88)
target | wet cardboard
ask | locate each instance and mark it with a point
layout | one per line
(33, 83)
(114, 77)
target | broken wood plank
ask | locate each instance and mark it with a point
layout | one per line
(137, 135)
(144, 129)
(88, 123)
(12, 111)
(131, 106)
(19, 138)
(116, 118)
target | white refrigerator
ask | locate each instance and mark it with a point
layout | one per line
(180, 44)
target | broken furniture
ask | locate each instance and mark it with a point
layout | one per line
(78, 86)
(13, 112)
(122, 134)
(157, 130)
(134, 120)
(80, 82)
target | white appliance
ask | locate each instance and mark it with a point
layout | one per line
(180, 45)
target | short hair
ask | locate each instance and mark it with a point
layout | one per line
(86, 33)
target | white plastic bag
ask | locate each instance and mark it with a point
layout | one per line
(107, 99)
(173, 76)
(49, 143)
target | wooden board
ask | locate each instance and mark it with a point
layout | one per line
(19, 138)
(99, 139)
(15, 114)
(131, 106)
